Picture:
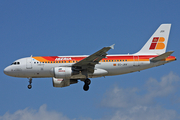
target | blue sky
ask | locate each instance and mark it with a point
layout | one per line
(50, 28)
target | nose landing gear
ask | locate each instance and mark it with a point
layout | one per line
(30, 81)
(87, 82)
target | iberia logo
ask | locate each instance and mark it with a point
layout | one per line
(157, 43)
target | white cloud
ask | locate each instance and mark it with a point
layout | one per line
(120, 98)
(126, 104)
(30, 114)
(145, 113)
(41, 114)
(129, 104)
(166, 86)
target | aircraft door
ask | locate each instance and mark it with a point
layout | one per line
(29, 63)
(136, 60)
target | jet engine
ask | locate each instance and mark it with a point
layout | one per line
(62, 72)
(60, 82)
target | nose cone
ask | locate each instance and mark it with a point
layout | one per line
(7, 71)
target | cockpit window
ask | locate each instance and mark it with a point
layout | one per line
(15, 63)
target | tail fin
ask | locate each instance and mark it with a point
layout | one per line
(157, 44)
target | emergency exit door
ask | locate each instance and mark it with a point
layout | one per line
(29, 63)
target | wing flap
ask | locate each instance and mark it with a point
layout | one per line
(162, 56)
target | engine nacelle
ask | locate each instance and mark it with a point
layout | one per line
(60, 82)
(62, 72)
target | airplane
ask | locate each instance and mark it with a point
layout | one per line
(67, 70)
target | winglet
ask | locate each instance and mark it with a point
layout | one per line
(112, 46)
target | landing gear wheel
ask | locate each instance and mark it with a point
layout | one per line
(86, 87)
(29, 86)
(87, 81)
(30, 81)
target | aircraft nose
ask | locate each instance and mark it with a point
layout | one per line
(7, 70)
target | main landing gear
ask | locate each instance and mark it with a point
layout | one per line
(87, 82)
(30, 81)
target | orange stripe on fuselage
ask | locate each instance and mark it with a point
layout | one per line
(73, 59)
(170, 58)
(40, 59)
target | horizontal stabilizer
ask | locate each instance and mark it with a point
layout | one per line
(162, 56)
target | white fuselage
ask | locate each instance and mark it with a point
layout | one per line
(31, 68)
(66, 70)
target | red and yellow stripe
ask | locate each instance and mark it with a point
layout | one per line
(73, 59)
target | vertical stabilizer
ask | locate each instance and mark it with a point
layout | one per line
(157, 44)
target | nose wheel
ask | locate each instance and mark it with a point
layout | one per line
(30, 81)
(87, 82)
(29, 86)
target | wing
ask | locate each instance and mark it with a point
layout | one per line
(88, 63)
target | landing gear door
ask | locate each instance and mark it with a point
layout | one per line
(29, 63)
